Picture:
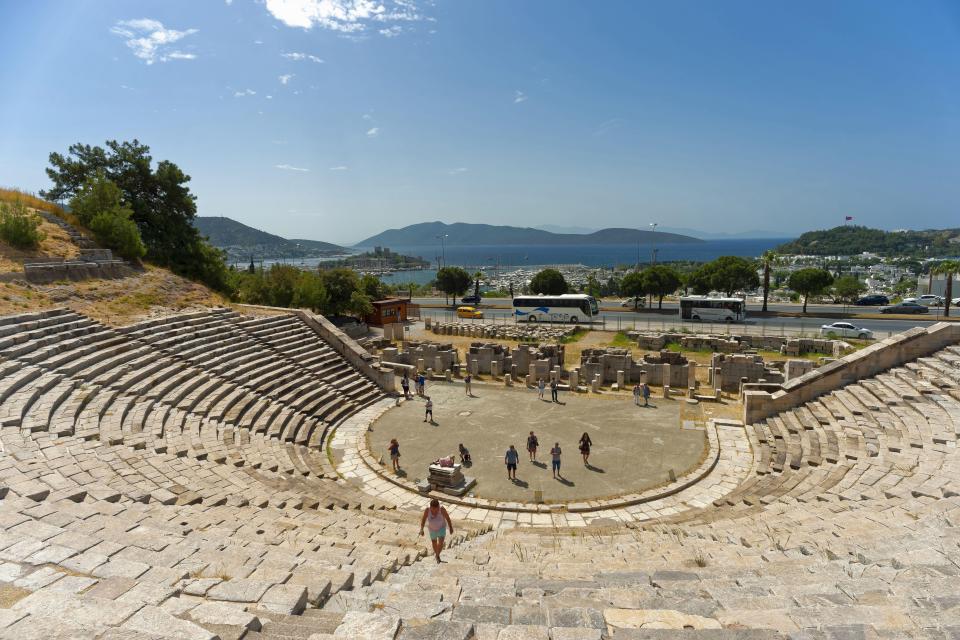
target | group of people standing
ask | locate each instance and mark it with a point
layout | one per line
(554, 389)
(512, 457)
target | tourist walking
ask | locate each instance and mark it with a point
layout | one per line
(555, 459)
(532, 444)
(645, 390)
(394, 449)
(511, 458)
(467, 379)
(405, 385)
(585, 443)
(541, 386)
(553, 391)
(428, 414)
(421, 385)
(636, 394)
(438, 521)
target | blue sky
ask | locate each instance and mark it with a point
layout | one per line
(336, 119)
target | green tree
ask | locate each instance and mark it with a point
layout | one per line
(593, 287)
(98, 204)
(848, 288)
(548, 282)
(726, 274)
(309, 292)
(453, 281)
(372, 287)
(947, 268)
(340, 284)
(768, 260)
(359, 304)
(163, 207)
(633, 285)
(808, 282)
(660, 280)
(19, 227)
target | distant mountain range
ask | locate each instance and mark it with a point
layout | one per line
(694, 233)
(465, 234)
(242, 242)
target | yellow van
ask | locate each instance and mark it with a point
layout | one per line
(469, 312)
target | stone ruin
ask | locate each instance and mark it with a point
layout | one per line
(732, 370)
(525, 359)
(739, 343)
(422, 355)
(617, 366)
(518, 332)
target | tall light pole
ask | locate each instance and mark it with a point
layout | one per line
(443, 249)
(653, 243)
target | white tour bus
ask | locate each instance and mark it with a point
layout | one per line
(706, 309)
(569, 307)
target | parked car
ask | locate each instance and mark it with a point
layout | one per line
(472, 300)
(846, 330)
(874, 300)
(905, 307)
(469, 312)
(930, 300)
(641, 301)
(955, 302)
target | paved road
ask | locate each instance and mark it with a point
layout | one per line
(775, 325)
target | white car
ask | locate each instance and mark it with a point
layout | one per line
(641, 301)
(846, 330)
(930, 300)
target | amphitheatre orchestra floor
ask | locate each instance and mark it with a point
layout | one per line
(633, 447)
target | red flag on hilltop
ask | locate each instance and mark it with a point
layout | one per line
(848, 218)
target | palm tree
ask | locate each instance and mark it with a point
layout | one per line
(769, 259)
(947, 268)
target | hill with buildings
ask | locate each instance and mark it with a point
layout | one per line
(851, 240)
(461, 233)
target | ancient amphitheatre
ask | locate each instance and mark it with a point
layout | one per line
(211, 473)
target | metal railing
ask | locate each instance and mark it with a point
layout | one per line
(797, 328)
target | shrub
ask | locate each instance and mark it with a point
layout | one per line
(19, 227)
(116, 231)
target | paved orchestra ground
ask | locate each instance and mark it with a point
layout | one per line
(633, 448)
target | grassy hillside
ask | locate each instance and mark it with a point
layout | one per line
(151, 290)
(851, 240)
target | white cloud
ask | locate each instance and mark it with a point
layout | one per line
(289, 167)
(457, 171)
(285, 78)
(373, 133)
(302, 56)
(258, 42)
(391, 32)
(367, 116)
(341, 167)
(151, 41)
(229, 2)
(344, 16)
(244, 93)
(519, 96)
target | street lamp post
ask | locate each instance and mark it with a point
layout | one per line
(443, 249)
(653, 243)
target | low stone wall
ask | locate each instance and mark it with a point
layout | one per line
(436, 356)
(885, 354)
(349, 349)
(657, 369)
(729, 371)
(738, 343)
(520, 332)
(74, 270)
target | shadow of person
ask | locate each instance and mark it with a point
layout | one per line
(521, 483)
(537, 463)
(562, 404)
(401, 472)
(594, 469)
(649, 406)
(564, 481)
